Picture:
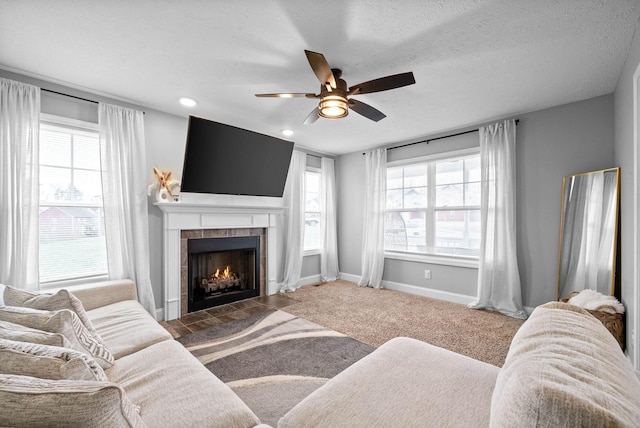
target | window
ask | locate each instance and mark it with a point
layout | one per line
(72, 241)
(312, 240)
(433, 207)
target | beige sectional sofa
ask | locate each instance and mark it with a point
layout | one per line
(153, 381)
(563, 369)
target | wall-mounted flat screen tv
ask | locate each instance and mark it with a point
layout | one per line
(223, 159)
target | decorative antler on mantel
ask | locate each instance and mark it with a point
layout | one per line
(164, 185)
(163, 179)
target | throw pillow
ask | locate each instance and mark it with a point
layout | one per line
(63, 299)
(63, 321)
(28, 401)
(564, 368)
(11, 331)
(47, 362)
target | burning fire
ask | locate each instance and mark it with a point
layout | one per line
(226, 274)
(221, 280)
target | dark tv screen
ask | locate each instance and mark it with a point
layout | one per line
(223, 159)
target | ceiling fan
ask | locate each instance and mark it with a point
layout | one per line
(334, 94)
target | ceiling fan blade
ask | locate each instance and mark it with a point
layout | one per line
(383, 83)
(288, 95)
(321, 68)
(312, 117)
(366, 110)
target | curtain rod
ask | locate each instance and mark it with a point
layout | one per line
(68, 95)
(73, 96)
(437, 138)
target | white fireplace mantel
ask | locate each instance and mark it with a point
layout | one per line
(178, 216)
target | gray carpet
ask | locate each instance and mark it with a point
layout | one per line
(274, 359)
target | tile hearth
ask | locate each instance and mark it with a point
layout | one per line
(196, 321)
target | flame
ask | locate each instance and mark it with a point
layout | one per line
(226, 274)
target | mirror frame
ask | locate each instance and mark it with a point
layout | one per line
(615, 233)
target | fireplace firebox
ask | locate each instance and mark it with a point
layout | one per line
(222, 270)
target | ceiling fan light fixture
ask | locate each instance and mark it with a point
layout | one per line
(333, 107)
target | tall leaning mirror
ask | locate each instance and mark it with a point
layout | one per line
(588, 232)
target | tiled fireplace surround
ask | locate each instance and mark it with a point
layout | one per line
(185, 235)
(220, 217)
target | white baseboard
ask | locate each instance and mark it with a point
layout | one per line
(429, 292)
(350, 277)
(419, 291)
(407, 288)
(308, 280)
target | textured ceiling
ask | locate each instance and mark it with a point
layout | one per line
(473, 61)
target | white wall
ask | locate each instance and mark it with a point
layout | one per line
(626, 152)
(551, 143)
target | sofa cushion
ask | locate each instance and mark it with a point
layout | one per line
(170, 385)
(63, 321)
(404, 383)
(29, 402)
(103, 293)
(126, 327)
(564, 368)
(12, 331)
(63, 299)
(47, 362)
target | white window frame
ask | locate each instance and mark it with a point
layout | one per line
(60, 121)
(314, 251)
(431, 258)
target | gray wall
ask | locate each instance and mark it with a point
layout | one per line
(625, 153)
(165, 137)
(551, 143)
(310, 266)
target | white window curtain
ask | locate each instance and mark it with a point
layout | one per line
(294, 221)
(328, 230)
(498, 276)
(124, 186)
(19, 184)
(374, 210)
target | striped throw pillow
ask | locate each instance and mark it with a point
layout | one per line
(65, 322)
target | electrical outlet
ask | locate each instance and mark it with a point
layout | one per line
(427, 274)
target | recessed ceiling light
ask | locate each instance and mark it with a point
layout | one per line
(287, 132)
(187, 102)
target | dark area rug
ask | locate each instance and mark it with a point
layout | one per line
(273, 360)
